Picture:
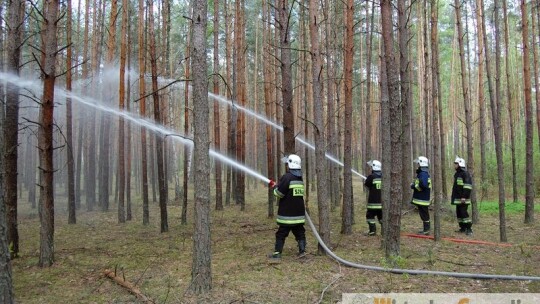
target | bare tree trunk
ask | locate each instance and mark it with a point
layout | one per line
(481, 102)
(162, 182)
(69, 125)
(128, 137)
(392, 178)
(282, 22)
(346, 217)
(240, 72)
(316, 69)
(368, 153)
(201, 271)
(142, 109)
(536, 71)
(495, 114)
(217, 132)
(509, 104)
(406, 100)
(121, 104)
(231, 130)
(529, 165)
(268, 105)
(11, 136)
(187, 150)
(45, 135)
(6, 274)
(436, 131)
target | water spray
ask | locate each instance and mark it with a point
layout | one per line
(188, 141)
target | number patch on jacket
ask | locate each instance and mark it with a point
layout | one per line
(298, 192)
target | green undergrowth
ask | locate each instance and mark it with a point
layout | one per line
(159, 264)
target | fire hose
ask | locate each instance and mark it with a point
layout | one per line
(414, 271)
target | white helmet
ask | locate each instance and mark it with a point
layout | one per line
(375, 165)
(460, 161)
(422, 161)
(293, 161)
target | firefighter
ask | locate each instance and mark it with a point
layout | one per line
(291, 210)
(461, 195)
(374, 206)
(422, 192)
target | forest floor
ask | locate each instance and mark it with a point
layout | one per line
(159, 264)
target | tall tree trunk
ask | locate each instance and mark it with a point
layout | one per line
(45, 135)
(217, 132)
(201, 271)
(466, 102)
(11, 135)
(536, 68)
(162, 182)
(142, 109)
(495, 114)
(231, 130)
(105, 120)
(128, 137)
(406, 100)
(481, 101)
(435, 165)
(69, 125)
(268, 105)
(529, 171)
(509, 104)
(6, 276)
(316, 69)
(346, 218)
(283, 25)
(187, 150)
(392, 179)
(240, 71)
(121, 105)
(368, 153)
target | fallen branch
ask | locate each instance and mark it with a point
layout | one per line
(122, 282)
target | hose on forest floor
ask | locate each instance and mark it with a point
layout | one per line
(414, 271)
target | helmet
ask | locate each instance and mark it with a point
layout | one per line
(460, 161)
(375, 165)
(422, 161)
(293, 161)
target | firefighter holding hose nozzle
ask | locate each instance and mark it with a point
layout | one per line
(291, 210)
(374, 205)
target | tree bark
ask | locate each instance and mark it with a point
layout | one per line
(45, 135)
(162, 182)
(201, 273)
(283, 25)
(217, 131)
(11, 138)
(69, 125)
(316, 70)
(481, 102)
(240, 72)
(121, 123)
(6, 275)
(267, 74)
(527, 87)
(392, 177)
(346, 217)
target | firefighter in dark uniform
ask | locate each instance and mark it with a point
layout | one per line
(374, 206)
(422, 192)
(461, 195)
(291, 210)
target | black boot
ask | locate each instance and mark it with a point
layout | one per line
(275, 257)
(372, 229)
(462, 228)
(468, 230)
(301, 248)
(426, 229)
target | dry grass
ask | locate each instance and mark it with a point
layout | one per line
(159, 264)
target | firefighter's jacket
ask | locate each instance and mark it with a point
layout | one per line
(421, 187)
(373, 183)
(462, 187)
(290, 192)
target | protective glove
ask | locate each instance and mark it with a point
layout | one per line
(271, 184)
